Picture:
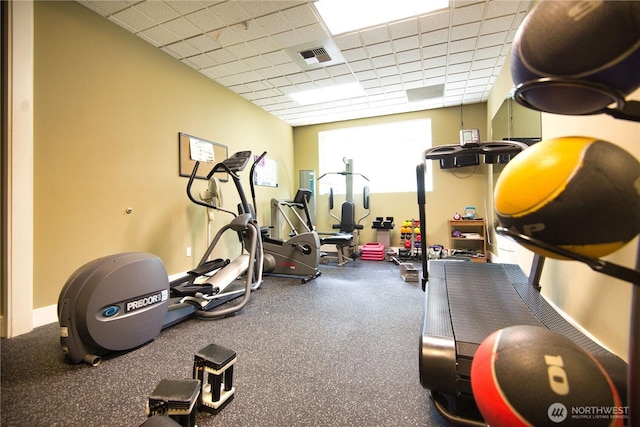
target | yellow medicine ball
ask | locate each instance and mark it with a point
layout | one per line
(579, 193)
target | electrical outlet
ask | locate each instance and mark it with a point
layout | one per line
(188, 250)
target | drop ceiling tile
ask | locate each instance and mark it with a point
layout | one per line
(467, 14)
(226, 36)
(434, 62)
(484, 63)
(182, 27)
(459, 68)
(132, 19)
(408, 56)
(410, 67)
(242, 50)
(348, 41)
(375, 35)
(391, 82)
(268, 72)
(487, 52)
(203, 43)
(158, 11)
(182, 49)
(300, 16)
(406, 43)
(465, 31)
(287, 39)
(495, 25)
(205, 20)
(312, 33)
(464, 45)
(202, 61)
(230, 12)
(344, 79)
(353, 55)
(434, 72)
(106, 8)
(391, 70)
(158, 36)
(274, 23)
(185, 7)
(258, 85)
(435, 51)
(488, 40)
(257, 62)
(338, 70)
(263, 45)
(435, 21)
(361, 65)
(435, 37)
(453, 77)
(479, 74)
(259, 7)
(365, 75)
(222, 56)
(215, 72)
(288, 68)
(460, 58)
(380, 49)
(404, 29)
(318, 74)
(501, 8)
(276, 57)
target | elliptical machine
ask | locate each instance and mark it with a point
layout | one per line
(122, 301)
(298, 256)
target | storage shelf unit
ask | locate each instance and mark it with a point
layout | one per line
(473, 239)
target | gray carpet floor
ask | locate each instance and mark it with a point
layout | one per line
(341, 350)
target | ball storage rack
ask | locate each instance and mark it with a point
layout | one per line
(465, 302)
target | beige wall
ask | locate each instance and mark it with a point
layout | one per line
(108, 109)
(596, 302)
(452, 190)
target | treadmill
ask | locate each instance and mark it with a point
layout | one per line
(466, 301)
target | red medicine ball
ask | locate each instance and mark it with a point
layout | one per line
(531, 376)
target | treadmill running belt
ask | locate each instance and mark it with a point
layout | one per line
(465, 302)
(483, 300)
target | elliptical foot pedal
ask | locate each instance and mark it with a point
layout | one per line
(213, 367)
(176, 399)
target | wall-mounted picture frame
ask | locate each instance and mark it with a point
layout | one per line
(192, 149)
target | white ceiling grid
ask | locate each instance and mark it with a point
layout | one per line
(241, 45)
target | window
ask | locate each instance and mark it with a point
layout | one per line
(387, 154)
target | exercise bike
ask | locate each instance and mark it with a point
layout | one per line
(122, 301)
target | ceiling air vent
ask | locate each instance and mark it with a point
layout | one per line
(320, 53)
(315, 56)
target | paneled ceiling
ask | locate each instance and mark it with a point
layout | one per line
(446, 58)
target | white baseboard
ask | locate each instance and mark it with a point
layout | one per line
(45, 315)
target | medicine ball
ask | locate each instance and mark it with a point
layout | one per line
(529, 375)
(593, 41)
(579, 193)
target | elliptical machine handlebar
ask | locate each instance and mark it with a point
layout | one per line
(236, 163)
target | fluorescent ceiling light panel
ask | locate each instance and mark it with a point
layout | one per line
(328, 94)
(348, 15)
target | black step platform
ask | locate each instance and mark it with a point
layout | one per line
(465, 302)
